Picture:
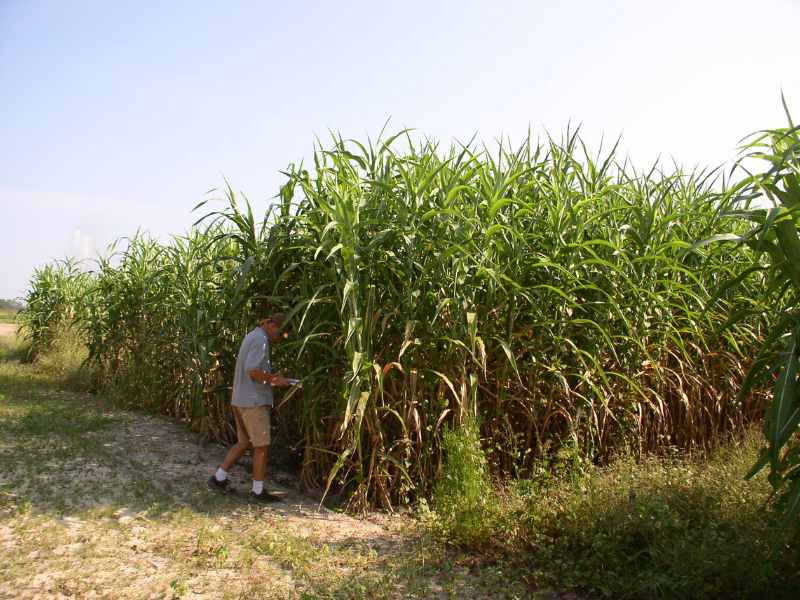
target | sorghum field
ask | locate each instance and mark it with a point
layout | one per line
(538, 349)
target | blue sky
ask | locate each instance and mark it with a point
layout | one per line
(118, 116)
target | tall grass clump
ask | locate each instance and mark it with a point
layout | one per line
(163, 326)
(542, 288)
(542, 284)
(50, 323)
(55, 304)
(464, 493)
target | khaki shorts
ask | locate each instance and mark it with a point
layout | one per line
(252, 425)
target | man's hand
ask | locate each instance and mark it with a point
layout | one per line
(281, 381)
(276, 380)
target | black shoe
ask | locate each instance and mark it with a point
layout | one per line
(264, 496)
(222, 486)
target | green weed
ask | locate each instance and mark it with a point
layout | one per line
(464, 493)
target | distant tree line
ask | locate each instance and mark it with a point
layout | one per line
(12, 304)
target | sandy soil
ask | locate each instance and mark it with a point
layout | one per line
(7, 328)
(57, 553)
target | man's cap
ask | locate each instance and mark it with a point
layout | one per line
(279, 319)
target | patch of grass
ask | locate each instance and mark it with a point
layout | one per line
(61, 367)
(62, 418)
(15, 374)
(64, 362)
(663, 528)
(13, 349)
(8, 315)
(50, 440)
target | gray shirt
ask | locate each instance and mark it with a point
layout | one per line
(253, 355)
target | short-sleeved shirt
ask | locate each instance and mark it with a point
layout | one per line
(253, 355)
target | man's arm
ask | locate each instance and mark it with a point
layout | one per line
(255, 358)
(262, 375)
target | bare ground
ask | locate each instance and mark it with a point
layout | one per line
(81, 536)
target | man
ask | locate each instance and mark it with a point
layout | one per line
(252, 398)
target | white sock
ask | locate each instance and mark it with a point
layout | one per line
(258, 486)
(221, 475)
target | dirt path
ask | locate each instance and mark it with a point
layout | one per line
(141, 448)
(73, 524)
(8, 328)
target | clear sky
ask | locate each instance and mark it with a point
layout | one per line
(118, 116)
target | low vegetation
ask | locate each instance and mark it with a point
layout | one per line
(668, 527)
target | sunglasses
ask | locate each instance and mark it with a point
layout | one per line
(283, 334)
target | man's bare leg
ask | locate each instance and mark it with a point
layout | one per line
(235, 453)
(220, 481)
(259, 462)
(259, 468)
